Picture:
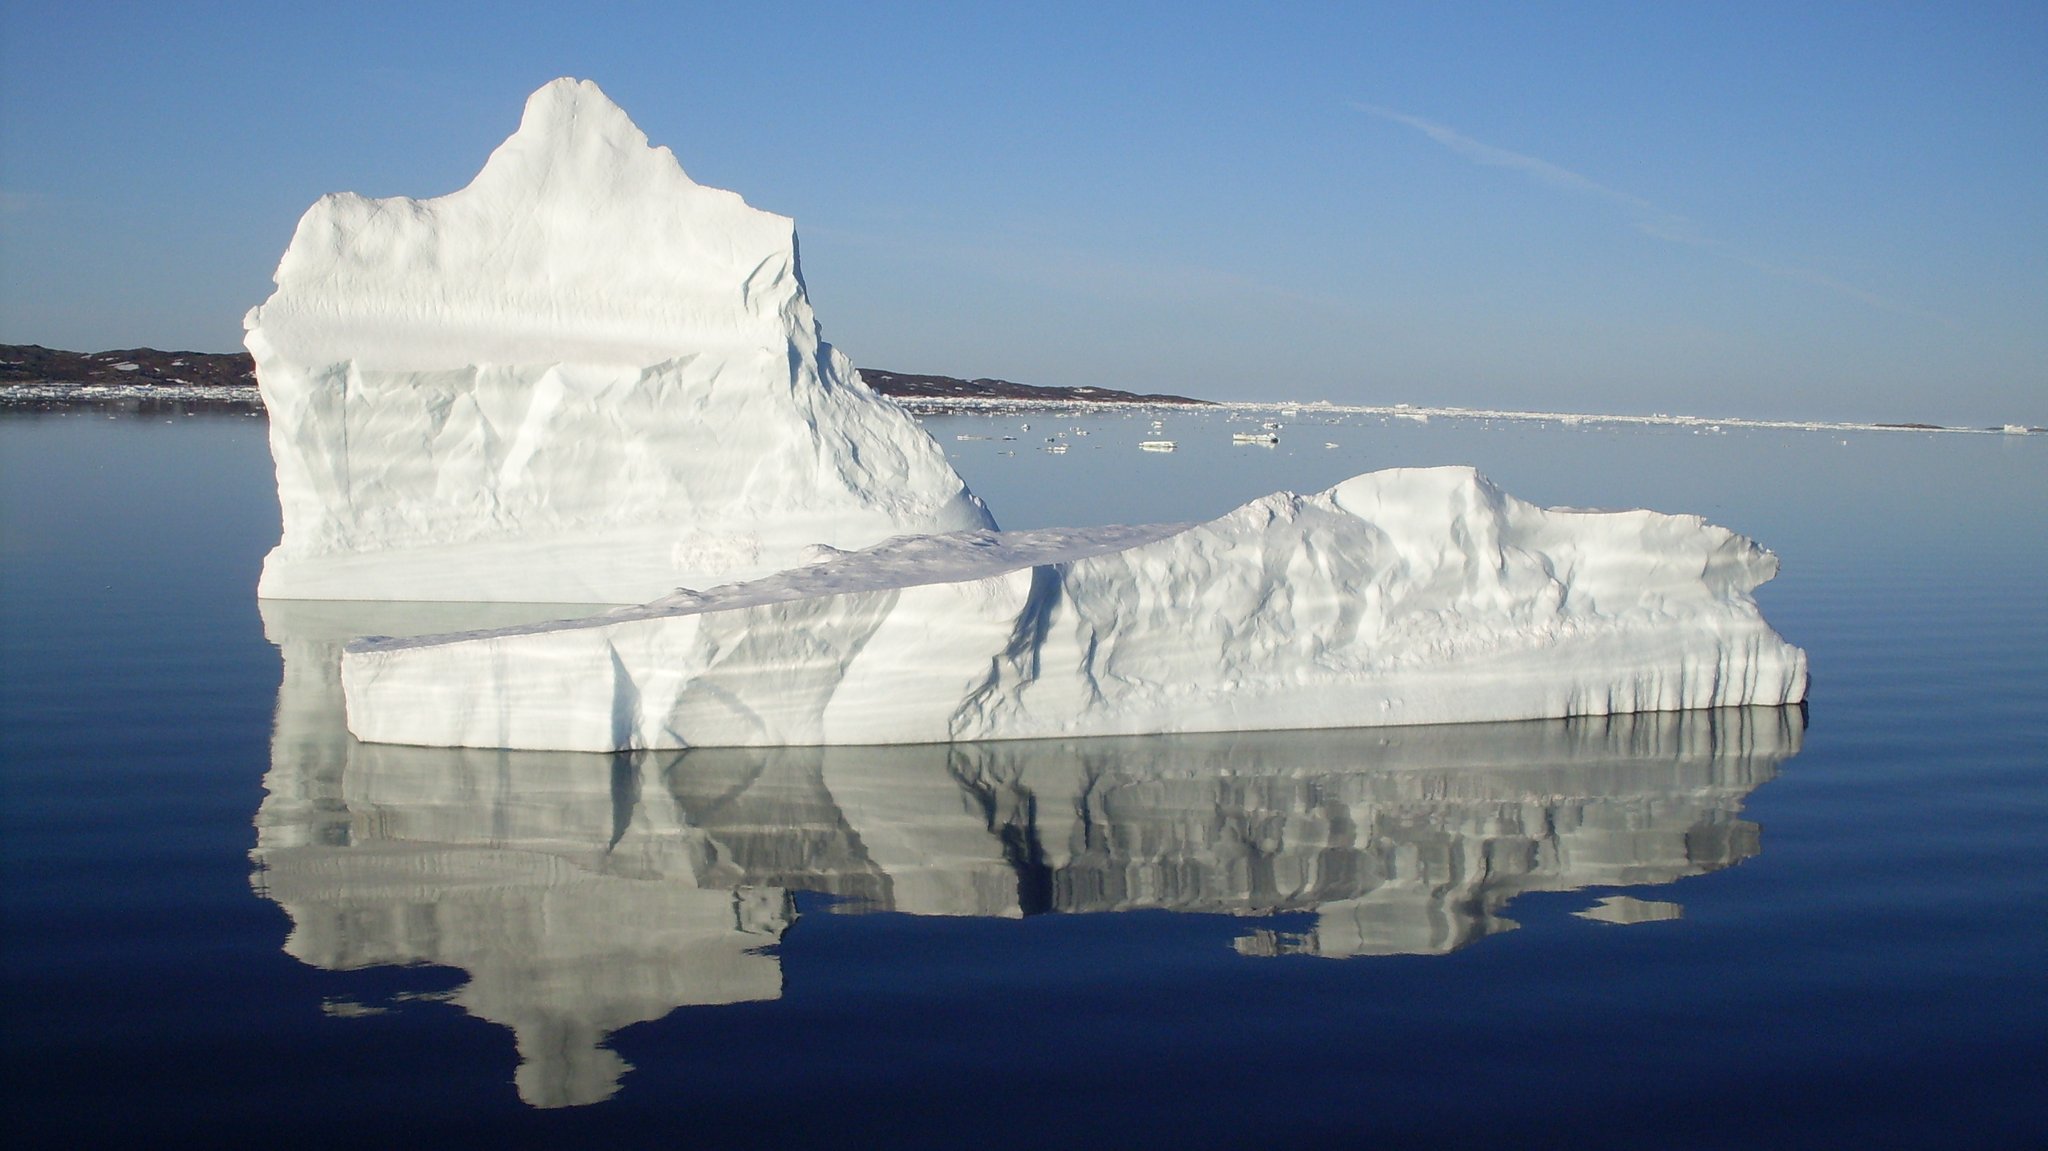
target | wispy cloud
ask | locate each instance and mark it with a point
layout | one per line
(1644, 216)
(1542, 171)
(1039, 259)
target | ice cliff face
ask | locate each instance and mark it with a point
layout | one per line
(1399, 597)
(583, 378)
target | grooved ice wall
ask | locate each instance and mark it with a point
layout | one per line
(582, 378)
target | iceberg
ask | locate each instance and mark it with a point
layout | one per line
(582, 378)
(587, 379)
(580, 894)
(1408, 596)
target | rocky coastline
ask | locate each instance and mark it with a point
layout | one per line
(149, 380)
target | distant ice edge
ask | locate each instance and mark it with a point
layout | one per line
(1410, 596)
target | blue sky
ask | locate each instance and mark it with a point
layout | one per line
(1786, 210)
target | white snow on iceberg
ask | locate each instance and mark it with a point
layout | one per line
(582, 378)
(1408, 596)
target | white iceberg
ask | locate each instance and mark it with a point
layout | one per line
(581, 894)
(583, 378)
(587, 379)
(1408, 596)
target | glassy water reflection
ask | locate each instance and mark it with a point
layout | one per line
(584, 893)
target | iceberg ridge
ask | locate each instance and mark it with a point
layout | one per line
(1400, 597)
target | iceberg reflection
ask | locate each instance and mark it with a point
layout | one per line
(585, 892)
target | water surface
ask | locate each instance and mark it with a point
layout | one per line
(226, 920)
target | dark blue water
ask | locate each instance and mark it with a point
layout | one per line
(225, 922)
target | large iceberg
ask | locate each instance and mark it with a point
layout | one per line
(587, 379)
(1409, 596)
(582, 378)
(580, 894)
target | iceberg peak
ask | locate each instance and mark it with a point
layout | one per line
(578, 240)
(566, 113)
(575, 145)
(582, 378)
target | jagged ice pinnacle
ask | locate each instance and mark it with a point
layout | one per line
(582, 378)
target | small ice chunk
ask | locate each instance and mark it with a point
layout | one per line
(1627, 909)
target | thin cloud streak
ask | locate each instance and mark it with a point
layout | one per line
(1541, 170)
(1033, 259)
(1645, 217)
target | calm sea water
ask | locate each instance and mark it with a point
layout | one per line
(227, 922)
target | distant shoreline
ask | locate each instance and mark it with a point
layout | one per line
(148, 381)
(38, 377)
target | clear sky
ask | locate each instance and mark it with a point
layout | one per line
(1774, 209)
